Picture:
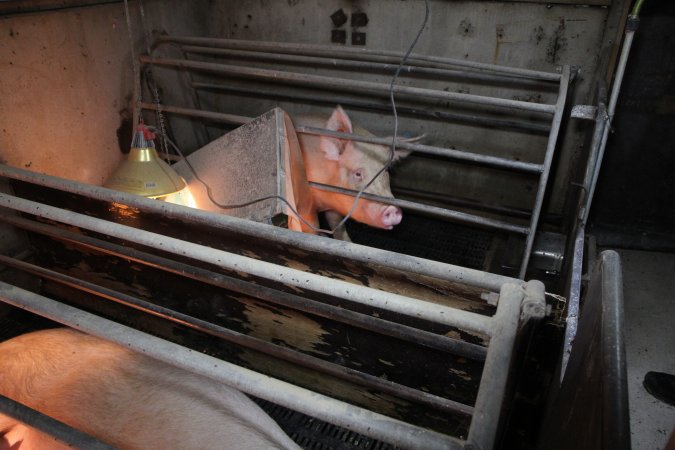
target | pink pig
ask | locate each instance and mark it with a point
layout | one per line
(124, 399)
(347, 164)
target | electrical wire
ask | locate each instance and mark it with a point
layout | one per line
(209, 192)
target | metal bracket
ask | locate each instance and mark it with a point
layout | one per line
(534, 302)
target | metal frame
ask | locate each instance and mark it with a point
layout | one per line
(353, 58)
(501, 328)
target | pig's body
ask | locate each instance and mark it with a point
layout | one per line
(125, 399)
(349, 165)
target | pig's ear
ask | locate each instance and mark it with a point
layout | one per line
(338, 121)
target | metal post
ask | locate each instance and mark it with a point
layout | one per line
(491, 392)
(359, 294)
(316, 405)
(548, 159)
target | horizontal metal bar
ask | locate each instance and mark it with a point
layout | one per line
(460, 155)
(330, 61)
(378, 105)
(341, 314)
(316, 405)
(354, 53)
(250, 342)
(311, 243)
(48, 425)
(232, 119)
(363, 87)
(340, 289)
(428, 209)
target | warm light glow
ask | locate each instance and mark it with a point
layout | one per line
(183, 197)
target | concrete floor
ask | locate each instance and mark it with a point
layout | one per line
(649, 305)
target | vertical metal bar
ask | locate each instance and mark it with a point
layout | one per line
(316, 405)
(616, 87)
(482, 433)
(574, 300)
(548, 159)
(48, 425)
(616, 427)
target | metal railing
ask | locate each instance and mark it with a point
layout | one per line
(548, 116)
(501, 328)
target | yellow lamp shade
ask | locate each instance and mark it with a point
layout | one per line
(143, 172)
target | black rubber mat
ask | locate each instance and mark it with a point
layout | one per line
(437, 240)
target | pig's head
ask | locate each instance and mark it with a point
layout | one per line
(351, 165)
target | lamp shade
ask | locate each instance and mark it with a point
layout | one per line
(143, 172)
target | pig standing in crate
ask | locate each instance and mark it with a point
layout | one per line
(350, 165)
(123, 398)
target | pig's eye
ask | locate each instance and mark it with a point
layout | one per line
(358, 174)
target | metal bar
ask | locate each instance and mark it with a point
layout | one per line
(572, 319)
(249, 342)
(377, 105)
(463, 202)
(340, 314)
(616, 423)
(616, 88)
(491, 392)
(331, 62)
(368, 255)
(356, 53)
(342, 84)
(593, 164)
(316, 405)
(215, 116)
(68, 435)
(460, 155)
(341, 289)
(548, 159)
(427, 209)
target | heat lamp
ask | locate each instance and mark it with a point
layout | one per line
(144, 173)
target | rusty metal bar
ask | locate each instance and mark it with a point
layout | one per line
(362, 87)
(548, 160)
(316, 405)
(359, 294)
(434, 210)
(359, 53)
(250, 342)
(340, 314)
(307, 242)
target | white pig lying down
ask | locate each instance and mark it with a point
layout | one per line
(125, 399)
(350, 165)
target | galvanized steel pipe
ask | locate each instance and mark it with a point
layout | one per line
(363, 87)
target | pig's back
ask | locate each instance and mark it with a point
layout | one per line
(129, 400)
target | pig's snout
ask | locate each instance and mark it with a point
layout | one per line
(391, 215)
